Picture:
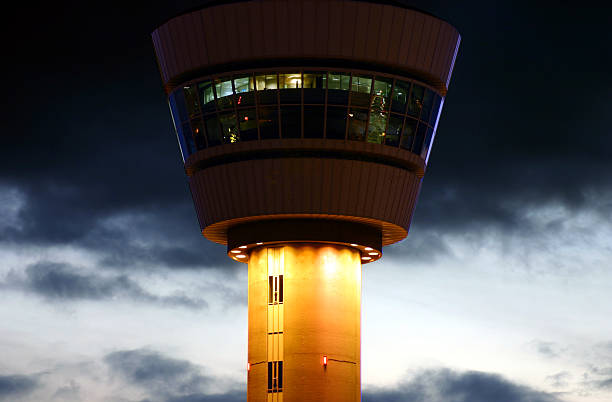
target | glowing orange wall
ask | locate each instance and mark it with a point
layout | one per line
(320, 315)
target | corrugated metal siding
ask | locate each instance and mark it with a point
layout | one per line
(355, 190)
(336, 29)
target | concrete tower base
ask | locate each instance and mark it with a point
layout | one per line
(304, 305)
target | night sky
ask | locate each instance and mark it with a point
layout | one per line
(502, 291)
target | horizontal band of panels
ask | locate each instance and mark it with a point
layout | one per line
(353, 32)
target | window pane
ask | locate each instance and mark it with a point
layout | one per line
(280, 376)
(178, 107)
(290, 85)
(245, 87)
(338, 87)
(314, 87)
(393, 132)
(270, 289)
(267, 81)
(408, 134)
(382, 88)
(357, 124)
(313, 121)
(266, 89)
(427, 105)
(415, 103)
(377, 125)
(360, 91)
(213, 132)
(339, 81)
(225, 98)
(207, 96)
(290, 81)
(427, 143)
(269, 376)
(291, 120)
(248, 125)
(198, 133)
(229, 127)
(420, 138)
(190, 144)
(336, 122)
(280, 291)
(268, 122)
(400, 96)
(244, 83)
(185, 151)
(361, 84)
(191, 100)
(435, 110)
(223, 87)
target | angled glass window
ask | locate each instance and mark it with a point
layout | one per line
(229, 127)
(247, 120)
(291, 121)
(415, 102)
(268, 123)
(394, 131)
(313, 121)
(336, 122)
(428, 100)
(189, 142)
(225, 94)
(357, 119)
(382, 88)
(213, 131)
(198, 133)
(191, 100)
(377, 125)
(400, 96)
(408, 133)
(435, 110)
(290, 88)
(338, 86)
(314, 87)
(245, 90)
(208, 97)
(360, 91)
(178, 107)
(266, 89)
(420, 138)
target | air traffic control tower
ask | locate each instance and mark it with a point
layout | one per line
(305, 127)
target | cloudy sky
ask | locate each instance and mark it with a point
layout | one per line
(502, 291)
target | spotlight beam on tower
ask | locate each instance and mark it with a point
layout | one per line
(305, 127)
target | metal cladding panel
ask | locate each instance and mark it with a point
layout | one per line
(322, 26)
(361, 35)
(309, 38)
(402, 39)
(264, 188)
(413, 40)
(382, 47)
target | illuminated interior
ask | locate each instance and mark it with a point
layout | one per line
(305, 104)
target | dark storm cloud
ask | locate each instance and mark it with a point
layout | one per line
(166, 378)
(12, 386)
(60, 282)
(445, 385)
(525, 124)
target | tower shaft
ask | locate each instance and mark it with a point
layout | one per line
(304, 305)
